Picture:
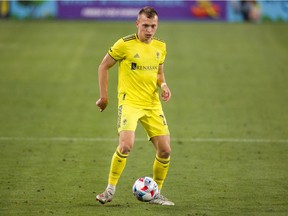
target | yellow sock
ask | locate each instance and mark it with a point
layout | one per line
(160, 169)
(118, 163)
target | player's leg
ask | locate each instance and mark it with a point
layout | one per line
(162, 158)
(127, 123)
(118, 162)
(156, 127)
(158, 132)
(161, 166)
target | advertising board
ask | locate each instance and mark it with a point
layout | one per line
(127, 10)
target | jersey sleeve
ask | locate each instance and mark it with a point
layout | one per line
(117, 51)
(163, 56)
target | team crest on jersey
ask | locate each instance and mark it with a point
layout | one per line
(157, 55)
(136, 55)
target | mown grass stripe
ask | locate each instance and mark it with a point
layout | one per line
(106, 139)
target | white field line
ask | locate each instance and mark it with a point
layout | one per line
(105, 139)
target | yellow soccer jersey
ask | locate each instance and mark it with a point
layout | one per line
(137, 72)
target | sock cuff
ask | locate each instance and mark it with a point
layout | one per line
(118, 153)
(163, 160)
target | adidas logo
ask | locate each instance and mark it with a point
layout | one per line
(137, 56)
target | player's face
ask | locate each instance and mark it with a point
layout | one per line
(146, 27)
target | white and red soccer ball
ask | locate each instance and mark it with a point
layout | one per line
(145, 189)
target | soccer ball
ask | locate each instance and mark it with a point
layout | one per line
(145, 189)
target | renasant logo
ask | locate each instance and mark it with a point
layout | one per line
(134, 66)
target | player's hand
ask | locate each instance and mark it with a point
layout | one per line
(102, 104)
(166, 93)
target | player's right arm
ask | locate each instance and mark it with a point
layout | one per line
(103, 69)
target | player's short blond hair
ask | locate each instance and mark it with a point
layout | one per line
(148, 11)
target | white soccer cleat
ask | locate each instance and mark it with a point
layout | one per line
(105, 197)
(161, 200)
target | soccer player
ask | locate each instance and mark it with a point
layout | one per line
(140, 73)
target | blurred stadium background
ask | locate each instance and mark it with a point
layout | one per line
(195, 10)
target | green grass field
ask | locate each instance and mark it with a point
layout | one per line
(228, 119)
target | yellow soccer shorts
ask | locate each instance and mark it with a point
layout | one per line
(153, 120)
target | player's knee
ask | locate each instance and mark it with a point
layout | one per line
(125, 147)
(164, 153)
(126, 142)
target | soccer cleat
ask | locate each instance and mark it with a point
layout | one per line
(161, 200)
(105, 197)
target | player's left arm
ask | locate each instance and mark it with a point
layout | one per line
(166, 93)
